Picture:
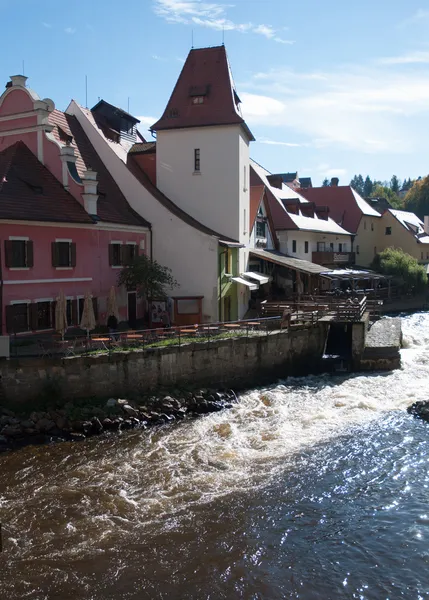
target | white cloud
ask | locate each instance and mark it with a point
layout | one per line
(279, 143)
(419, 16)
(148, 121)
(47, 25)
(70, 30)
(406, 59)
(212, 15)
(364, 108)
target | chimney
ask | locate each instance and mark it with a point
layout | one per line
(334, 181)
(18, 80)
(426, 226)
(90, 195)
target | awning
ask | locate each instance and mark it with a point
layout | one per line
(246, 282)
(298, 264)
(230, 244)
(261, 279)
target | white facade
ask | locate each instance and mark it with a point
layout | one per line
(191, 254)
(316, 242)
(218, 193)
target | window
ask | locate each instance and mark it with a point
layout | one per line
(261, 229)
(43, 315)
(228, 261)
(427, 255)
(331, 246)
(372, 226)
(129, 252)
(306, 247)
(422, 255)
(321, 247)
(364, 224)
(198, 100)
(18, 254)
(357, 249)
(197, 161)
(340, 247)
(388, 231)
(63, 254)
(244, 179)
(375, 250)
(17, 318)
(115, 258)
(293, 245)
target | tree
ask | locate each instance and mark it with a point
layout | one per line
(367, 187)
(325, 182)
(395, 184)
(417, 199)
(357, 183)
(403, 267)
(147, 277)
(383, 191)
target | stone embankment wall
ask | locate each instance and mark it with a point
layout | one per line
(382, 346)
(235, 363)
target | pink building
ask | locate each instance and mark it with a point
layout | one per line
(64, 222)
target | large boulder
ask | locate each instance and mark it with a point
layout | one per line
(420, 409)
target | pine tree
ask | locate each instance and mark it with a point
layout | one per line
(395, 184)
(325, 182)
(367, 187)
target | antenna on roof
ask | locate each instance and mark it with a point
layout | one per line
(192, 38)
(23, 67)
(86, 91)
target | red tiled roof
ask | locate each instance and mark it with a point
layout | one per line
(341, 201)
(143, 148)
(29, 191)
(112, 206)
(205, 75)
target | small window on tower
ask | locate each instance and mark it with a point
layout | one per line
(197, 162)
(198, 100)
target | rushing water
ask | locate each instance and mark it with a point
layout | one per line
(315, 489)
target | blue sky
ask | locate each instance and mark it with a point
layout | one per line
(328, 88)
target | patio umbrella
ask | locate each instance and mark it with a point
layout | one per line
(61, 315)
(112, 306)
(88, 318)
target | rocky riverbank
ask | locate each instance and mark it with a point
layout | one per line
(77, 421)
(420, 409)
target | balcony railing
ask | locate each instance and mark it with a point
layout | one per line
(333, 258)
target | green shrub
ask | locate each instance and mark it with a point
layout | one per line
(403, 267)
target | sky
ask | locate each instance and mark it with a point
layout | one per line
(328, 88)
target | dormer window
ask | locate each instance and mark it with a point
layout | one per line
(198, 100)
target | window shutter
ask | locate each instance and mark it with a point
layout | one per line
(136, 250)
(110, 254)
(33, 316)
(10, 312)
(8, 253)
(124, 255)
(73, 254)
(30, 254)
(53, 305)
(95, 307)
(75, 316)
(55, 254)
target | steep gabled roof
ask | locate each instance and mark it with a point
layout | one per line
(346, 207)
(29, 191)
(112, 206)
(204, 94)
(412, 224)
(281, 217)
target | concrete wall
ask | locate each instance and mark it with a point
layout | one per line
(286, 239)
(225, 363)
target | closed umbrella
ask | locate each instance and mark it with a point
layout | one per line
(88, 318)
(61, 315)
(112, 305)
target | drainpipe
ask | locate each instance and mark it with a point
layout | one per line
(220, 285)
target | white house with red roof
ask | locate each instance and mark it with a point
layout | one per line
(192, 184)
(65, 224)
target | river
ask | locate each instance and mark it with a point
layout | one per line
(314, 488)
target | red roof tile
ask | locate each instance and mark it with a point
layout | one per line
(29, 191)
(112, 205)
(346, 207)
(204, 94)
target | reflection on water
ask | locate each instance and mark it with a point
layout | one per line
(314, 488)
